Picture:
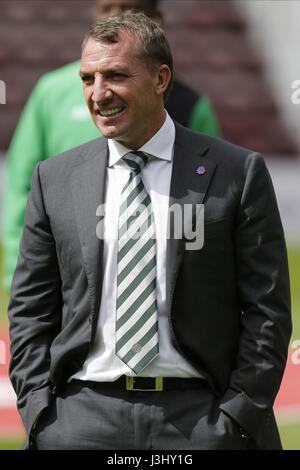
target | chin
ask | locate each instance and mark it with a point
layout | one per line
(104, 130)
(109, 133)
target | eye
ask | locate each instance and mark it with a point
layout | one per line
(87, 79)
(118, 76)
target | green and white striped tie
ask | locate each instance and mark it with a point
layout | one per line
(137, 323)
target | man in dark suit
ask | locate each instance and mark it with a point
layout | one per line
(148, 342)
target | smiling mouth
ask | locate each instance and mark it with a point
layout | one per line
(110, 112)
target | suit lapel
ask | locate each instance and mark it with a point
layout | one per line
(187, 188)
(88, 184)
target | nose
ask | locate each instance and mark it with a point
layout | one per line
(101, 90)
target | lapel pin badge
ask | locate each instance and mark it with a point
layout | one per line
(201, 170)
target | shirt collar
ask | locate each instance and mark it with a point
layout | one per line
(160, 145)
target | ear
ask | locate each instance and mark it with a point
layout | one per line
(163, 79)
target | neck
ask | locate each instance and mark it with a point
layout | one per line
(147, 135)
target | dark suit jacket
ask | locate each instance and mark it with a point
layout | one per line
(229, 304)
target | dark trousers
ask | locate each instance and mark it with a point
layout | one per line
(85, 417)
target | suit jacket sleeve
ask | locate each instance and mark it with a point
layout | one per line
(263, 290)
(34, 309)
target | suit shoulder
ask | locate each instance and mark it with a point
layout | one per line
(233, 161)
(66, 161)
(215, 142)
(217, 148)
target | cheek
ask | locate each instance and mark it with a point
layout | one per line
(87, 94)
(146, 94)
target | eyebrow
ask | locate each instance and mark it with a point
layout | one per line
(115, 69)
(83, 74)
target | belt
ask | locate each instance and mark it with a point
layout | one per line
(146, 384)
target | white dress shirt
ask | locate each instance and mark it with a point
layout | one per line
(102, 364)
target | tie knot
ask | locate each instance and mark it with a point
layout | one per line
(136, 161)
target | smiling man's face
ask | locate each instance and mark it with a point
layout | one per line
(124, 97)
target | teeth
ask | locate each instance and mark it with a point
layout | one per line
(110, 112)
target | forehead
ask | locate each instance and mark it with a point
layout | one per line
(124, 50)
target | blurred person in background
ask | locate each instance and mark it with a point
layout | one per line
(56, 119)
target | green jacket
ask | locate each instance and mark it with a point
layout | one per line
(56, 119)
